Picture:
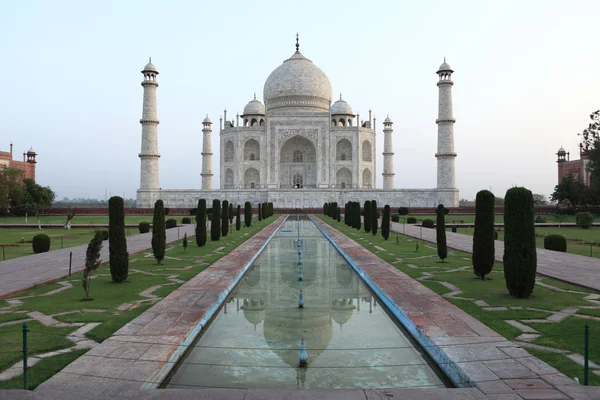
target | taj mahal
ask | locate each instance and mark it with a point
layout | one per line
(298, 150)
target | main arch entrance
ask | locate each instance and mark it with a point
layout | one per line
(298, 164)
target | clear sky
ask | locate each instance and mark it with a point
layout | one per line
(527, 76)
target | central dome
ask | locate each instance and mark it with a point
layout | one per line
(297, 83)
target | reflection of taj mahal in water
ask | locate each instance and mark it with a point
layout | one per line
(297, 149)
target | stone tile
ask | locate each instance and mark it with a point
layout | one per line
(158, 352)
(535, 383)
(520, 326)
(130, 350)
(81, 365)
(141, 371)
(542, 394)
(508, 369)
(494, 387)
(477, 371)
(422, 394)
(109, 367)
(580, 392)
(503, 397)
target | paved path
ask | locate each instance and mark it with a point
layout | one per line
(23, 273)
(572, 268)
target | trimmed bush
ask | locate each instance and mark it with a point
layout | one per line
(440, 233)
(395, 218)
(520, 258)
(411, 220)
(483, 235)
(367, 216)
(584, 220)
(185, 241)
(259, 212)
(540, 220)
(403, 211)
(454, 229)
(247, 214)
(193, 211)
(556, 243)
(40, 243)
(186, 220)
(117, 243)
(144, 227)
(201, 223)
(159, 232)
(103, 233)
(374, 217)
(230, 213)
(357, 219)
(238, 223)
(225, 218)
(339, 214)
(171, 223)
(495, 235)
(215, 222)
(264, 210)
(428, 223)
(385, 222)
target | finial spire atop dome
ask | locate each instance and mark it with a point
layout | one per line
(340, 95)
(254, 95)
(297, 42)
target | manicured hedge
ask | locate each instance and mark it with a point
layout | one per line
(171, 223)
(40, 243)
(201, 223)
(440, 234)
(395, 218)
(483, 236)
(584, 220)
(411, 220)
(117, 243)
(144, 227)
(556, 243)
(428, 223)
(186, 220)
(159, 232)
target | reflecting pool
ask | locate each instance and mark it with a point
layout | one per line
(351, 342)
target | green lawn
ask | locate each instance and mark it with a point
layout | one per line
(106, 298)
(567, 366)
(83, 219)
(470, 218)
(403, 254)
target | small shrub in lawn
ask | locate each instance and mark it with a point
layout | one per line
(186, 220)
(144, 227)
(540, 220)
(495, 235)
(395, 218)
(103, 233)
(40, 243)
(428, 223)
(454, 229)
(411, 220)
(584, 220)
(185, 241)
(193, 211)
(403, 211)
(556, 243)
(171, 223)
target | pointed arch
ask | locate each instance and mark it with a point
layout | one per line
(367, 151)
(343, 150)
(251, 178)
(229, 151)
(367, 178)
(343, 178)
(251, 150)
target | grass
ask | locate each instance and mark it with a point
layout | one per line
(470, 218)
(458, 272)
(567, 366)
(12, 317)
(84, 219)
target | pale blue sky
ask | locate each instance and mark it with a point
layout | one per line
(527, 75)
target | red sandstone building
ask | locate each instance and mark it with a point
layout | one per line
(578, 168)
(27, 165)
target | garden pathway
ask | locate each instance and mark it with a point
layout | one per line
(23, 273)
(572, 268)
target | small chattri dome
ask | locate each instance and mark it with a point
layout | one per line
(388, 120)
(207, 120)
(31, 151)
(445, 67)
(150, 67)
(561, 151)
(254, 107)
(341, 107)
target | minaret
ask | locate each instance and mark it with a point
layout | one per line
(445, 152)
(206, 155)
(149, 155)
(388, 155)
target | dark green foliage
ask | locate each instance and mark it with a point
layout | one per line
(159, 231)
(540, 220)
(259, 212)
(215, 222)
(520, 258)
(171, 223)
(385, 222)
(238, 223)
(584, 220)
(186, 220)
(103, 234)
(247, 214)
(264, 210)
(230, 213)
(339, 214)
(185, 241)
(440, 233)
(201, 223)
(446, 211)
(483, 235)
(144, 227)
(428, 223)
(193, 211)
(167, 210)
(40, 243)
(270, 206)
(368, 216)
(403, 211)
(225, 218)
(395, 218)
(374, 213)
(411, 220)
(325, 210)
(117, 243)
(495, 235)
(556, 243)
(92, 261)
(454, 229)
(357, 217)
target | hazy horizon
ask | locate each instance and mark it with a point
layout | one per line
(526, 80)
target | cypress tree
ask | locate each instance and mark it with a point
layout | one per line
(385, 222)
(339, 214)
(374, 219)
(440, 233)
(264, 210)
(368, 216)
(215, 223)
(520, 258)
(159, 232)
(185, 241)
(201, 223)
(238, 223)
(357, 215)
(225, 219)
(483, 236)
(117, 243)
(247, 214)
(324, 208)
(271, 212)
(230, 213)
(259, 212)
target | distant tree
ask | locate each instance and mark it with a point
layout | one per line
(465, 203)
(238, 223)
(591, 147)
(259, 212)
(230, 213)
(10, 186)
(357, 215)
(247, 214)
(264, 210)
(483, 236)
(440, 236)
(325, 211)
(225, 218)
(374, 217)
(385, 222)
(159, 232)
(201, 223)
(70, 216)
(539, 200)
(569, 189)
(499, 201)
(35, 198)
(339, 214)
(185, 241)
(520, 257)
(118, 257)
(367, 216)
(215, 223)
(92, 261)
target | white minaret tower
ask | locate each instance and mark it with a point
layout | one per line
(149, 155)
(445, 152)
(388, 155)
(206, 155)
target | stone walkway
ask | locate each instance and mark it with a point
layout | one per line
(23, 273)
(571, 268)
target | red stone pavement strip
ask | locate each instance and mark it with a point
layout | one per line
(23, 273)
(138, 351)
(492, 363)
(572, 268)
